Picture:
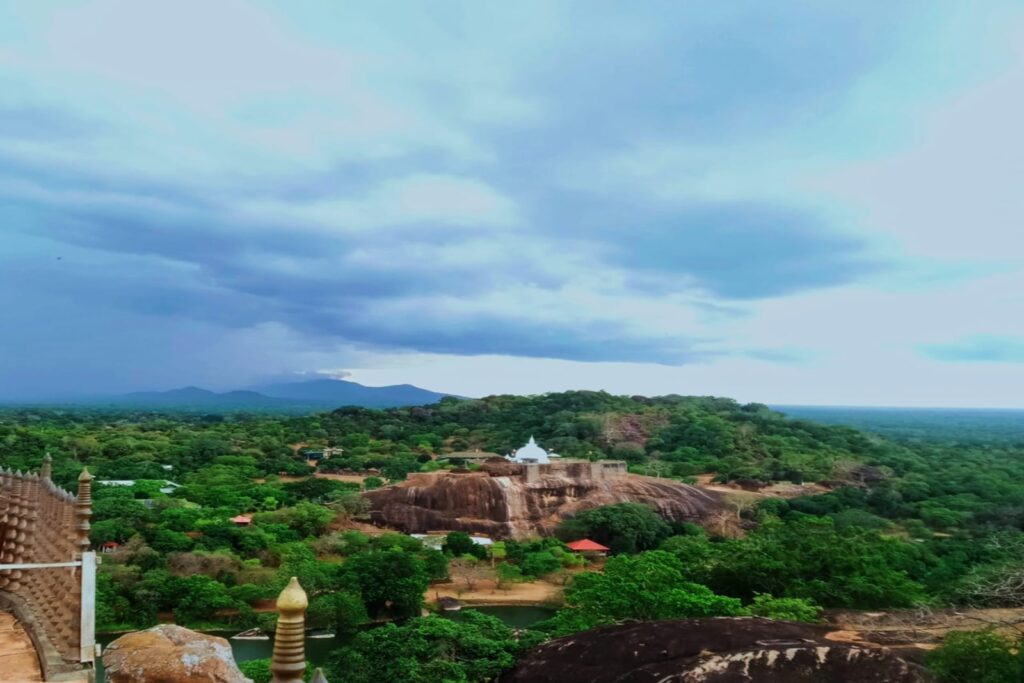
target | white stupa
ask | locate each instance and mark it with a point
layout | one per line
(532, 453)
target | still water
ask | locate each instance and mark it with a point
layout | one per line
(318, 649)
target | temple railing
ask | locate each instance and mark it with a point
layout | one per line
(47, 572)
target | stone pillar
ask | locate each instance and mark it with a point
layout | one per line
(83, 511)
(46, 471)
(288, 663)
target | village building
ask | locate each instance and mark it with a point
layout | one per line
(166, 488)
(325, 453)
(587, 547)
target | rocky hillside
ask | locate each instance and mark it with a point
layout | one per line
(500, 502)
(670, 435)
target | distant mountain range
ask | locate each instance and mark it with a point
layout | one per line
(341, 392)
(317, 394)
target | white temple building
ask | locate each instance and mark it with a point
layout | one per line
(531, 453)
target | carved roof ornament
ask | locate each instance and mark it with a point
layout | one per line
(288, 663)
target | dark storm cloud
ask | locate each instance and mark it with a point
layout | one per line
(119, 212)
(743, 251)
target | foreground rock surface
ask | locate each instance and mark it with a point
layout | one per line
(505, 500)
(722, 650)
(17, 655)
(171, 654)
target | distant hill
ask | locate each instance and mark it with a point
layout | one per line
(336, 392)
(317, 394)
(194, 397)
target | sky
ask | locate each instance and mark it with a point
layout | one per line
(789, 203)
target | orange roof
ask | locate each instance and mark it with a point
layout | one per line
(241, 519)
(586, 544)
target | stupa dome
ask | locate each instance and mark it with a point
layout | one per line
(531, 453)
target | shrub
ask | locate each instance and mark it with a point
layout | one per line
(975, 656)
(787, 609)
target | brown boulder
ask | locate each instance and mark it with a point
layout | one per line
(171, 654)
(722, 650)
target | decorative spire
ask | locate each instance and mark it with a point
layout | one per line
(83, 509)
(288, 663)
(46, 470)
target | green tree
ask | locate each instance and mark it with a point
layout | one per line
(623, 527)
(787, 609)
(392, 578)
(806, 557)
(342, 611)
(167, 541)
(306, 519)
(476, 649)
(498, 552)
(977, 657)
(259, 670)
(458, 543)
(647, 586)
(508, 574)
(398, 468)
(200, 597)
(540, 564)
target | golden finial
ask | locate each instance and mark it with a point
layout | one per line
(292, 597)
(288, 663)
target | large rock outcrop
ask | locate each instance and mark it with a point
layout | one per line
(171, 654)
(507, 500)
(723, 650)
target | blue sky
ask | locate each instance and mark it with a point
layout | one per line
(796, 202)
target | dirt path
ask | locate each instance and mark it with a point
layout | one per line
(18, 662)
(350, 478)
(485, 592)
(780, 489)
(924, 627)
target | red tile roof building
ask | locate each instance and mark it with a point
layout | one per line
(586, 546)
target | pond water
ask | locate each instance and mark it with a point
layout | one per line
(318, 649)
